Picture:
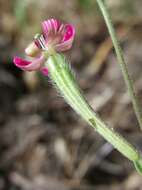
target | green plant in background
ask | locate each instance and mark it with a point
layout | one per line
(20, 8)
(46, 52)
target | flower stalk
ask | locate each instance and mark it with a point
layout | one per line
(121, 61)
(62, 76)
(58, 37)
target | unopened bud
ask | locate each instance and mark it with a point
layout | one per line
(32, 50)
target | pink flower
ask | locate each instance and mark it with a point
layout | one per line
(55, 36)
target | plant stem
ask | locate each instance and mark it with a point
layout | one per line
(64, 80)
(121, 60)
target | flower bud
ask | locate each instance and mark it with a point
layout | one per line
(32, 50)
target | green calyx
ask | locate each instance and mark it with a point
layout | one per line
(64, 80)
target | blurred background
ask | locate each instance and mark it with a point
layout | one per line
(44, 145)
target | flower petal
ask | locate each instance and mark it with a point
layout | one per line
(69, 32)
(44, 71)
(50, 26)
(68, 38)
(19, 62)
(29, 65)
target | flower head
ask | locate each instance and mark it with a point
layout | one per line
(55, 36)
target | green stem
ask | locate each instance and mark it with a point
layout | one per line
(64, 80)
(121, 60)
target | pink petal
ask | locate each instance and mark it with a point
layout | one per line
(50, 26)
(19, 62)
(29, 65)
(44, 71)
(68, 38)
(35, 64)
(69, 32)
(59, 36)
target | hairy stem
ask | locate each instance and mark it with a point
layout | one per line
(121, 60)
(64, 80)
